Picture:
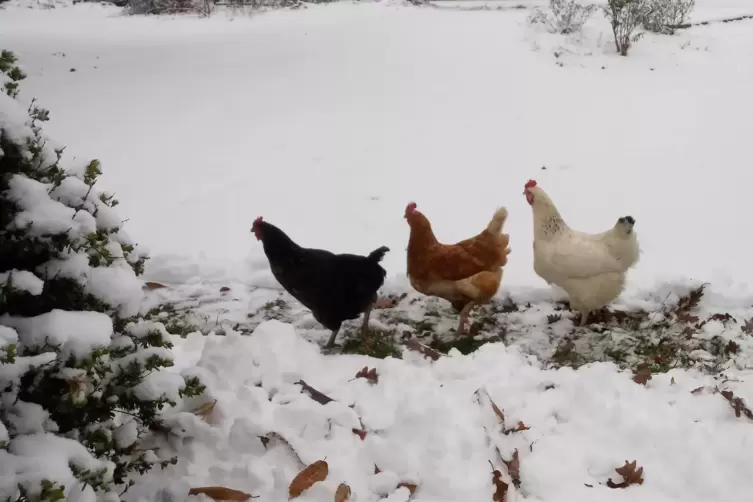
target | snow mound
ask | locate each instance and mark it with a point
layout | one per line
(432, 425)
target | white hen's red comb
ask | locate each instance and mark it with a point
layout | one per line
(531, 184)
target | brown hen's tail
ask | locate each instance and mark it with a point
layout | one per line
(498, 221)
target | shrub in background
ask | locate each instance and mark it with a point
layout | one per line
(625, 16)
(664, 16)
(565, 16)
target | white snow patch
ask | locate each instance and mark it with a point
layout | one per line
(22, 280)
(117, 285)
(71, 265)
(77, 333)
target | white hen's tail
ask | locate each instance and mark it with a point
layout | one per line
(498, 221)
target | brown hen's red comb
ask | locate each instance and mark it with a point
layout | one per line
(410, 207)
(531, 184)
(259, 219)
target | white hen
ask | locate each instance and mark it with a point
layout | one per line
(591, 268)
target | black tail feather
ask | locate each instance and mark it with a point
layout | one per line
(378, 254)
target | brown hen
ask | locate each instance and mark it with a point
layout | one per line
(467, 273)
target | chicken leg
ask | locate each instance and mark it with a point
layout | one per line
(331, 341)
(464, 316)
(584, 317)
(365, 325)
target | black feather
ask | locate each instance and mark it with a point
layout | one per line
(378, 254)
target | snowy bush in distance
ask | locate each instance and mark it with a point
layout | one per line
(625, 16)
(566, 16)
(81, 386)
(664, 16)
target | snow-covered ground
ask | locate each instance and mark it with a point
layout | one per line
(327, 121)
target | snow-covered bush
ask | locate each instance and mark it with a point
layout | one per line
(664, 16)
(81, 380)
(565, 16)
(156, 7)
(626, 16)
(10, 74)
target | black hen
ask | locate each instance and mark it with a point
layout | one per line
(335, 287)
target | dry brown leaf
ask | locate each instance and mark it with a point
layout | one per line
(417, 346)
(307, 477)
(314, 394)
(153, 285)
(737, 404)
(205, 410)
(687, 318)
(630, 475)
(642, 374)
(519, 428)
(410, 486)
(369, 374)
(513, 468)
(377, 470)
(748, 326)
(732, 347)
(690, 301)
(343, 493)
(220, 493)
(360, 433)
(697, 390)
(500, 487)
(497, 411)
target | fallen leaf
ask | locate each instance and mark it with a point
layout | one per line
(630, 475)
(513, 468)
(687, 318)
(377, 470)
(410, 486)
(360, 433)
(224, 289)
(642, 374)
(737, 404)
(519, 428)
(343, 493)
(307, 477)
(205, 410)
(748, 326)
(672, 381)
(314, 394)
(590, 486)
(697, 390)
(417, 346)
(500, 487)
(220, 493)
(153, 285)
(497, 411)
(369, 374)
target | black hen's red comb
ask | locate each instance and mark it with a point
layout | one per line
(259, 219)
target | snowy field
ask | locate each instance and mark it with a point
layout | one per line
(327, 121)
